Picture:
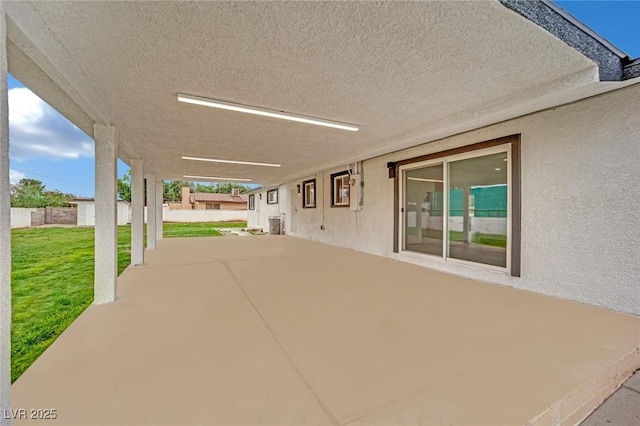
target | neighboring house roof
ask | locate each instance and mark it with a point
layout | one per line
(226, 198)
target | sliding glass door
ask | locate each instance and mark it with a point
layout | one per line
(457, 207)
(478, 209)
(423, 213)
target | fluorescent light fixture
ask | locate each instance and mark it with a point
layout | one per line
(265, 112)
(216, 160)
(424, 180)
(226, 179)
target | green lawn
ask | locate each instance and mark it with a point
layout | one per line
(52, 281)
(202, 229)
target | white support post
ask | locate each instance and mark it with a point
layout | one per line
(106, 231)
(5, 233)
(151, 212)
(137, 212)
(159, 203)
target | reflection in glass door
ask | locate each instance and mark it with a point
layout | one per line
(423, 209)
(477, 211)
(457, 207)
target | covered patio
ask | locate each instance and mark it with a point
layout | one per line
(276, 330)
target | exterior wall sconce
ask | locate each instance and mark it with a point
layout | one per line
(391, 165)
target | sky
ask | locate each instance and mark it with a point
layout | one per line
(47, 147)
(617, 21)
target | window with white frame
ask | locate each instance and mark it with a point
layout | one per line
(340, 189)
(252, 202)
(309, 194)
(458, 206)
(272, 196)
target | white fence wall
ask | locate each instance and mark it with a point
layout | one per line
(21, 217)
(202, 215)
(484, 225)
(87, 213)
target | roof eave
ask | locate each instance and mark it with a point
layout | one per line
(611, 60)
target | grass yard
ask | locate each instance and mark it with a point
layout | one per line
(52, 281)
(201, 229)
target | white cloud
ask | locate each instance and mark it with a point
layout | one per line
(37, 130)
(15, 176)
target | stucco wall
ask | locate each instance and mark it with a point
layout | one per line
(203, 215)
(123, 213)
(580, 191)
(21, 217)
(87, 213)
(224, 205)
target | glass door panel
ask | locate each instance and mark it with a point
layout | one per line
(478, 209)
(423, 209)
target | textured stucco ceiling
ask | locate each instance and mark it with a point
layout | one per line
(406, 73)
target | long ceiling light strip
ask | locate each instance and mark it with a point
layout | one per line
(216, 160)
(225, 179)
(265, 112)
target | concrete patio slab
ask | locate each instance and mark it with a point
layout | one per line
(274, 330)
(182, 345)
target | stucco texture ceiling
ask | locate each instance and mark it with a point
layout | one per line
(404, 72)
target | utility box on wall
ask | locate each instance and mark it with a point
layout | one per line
(355, 181)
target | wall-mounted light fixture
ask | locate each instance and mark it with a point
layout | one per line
(392, 169)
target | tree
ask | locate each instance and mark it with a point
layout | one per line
(173, 189)
(202, 187)
(225, 188)
(33, 194)
(124, 187)
(220, 188)
(56, 198)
